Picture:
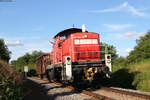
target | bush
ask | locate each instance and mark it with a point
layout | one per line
(32, 72)
(119, 63)
(10, 83)
(142, 79)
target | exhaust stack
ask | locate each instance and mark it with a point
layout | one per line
(83, 28)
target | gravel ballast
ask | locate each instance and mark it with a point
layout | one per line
(56, 92)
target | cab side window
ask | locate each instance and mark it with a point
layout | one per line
(62, 37)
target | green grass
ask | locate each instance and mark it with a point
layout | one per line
(142, 79)
(140, 73)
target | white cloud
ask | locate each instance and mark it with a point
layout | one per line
(22, 38)
(16, 43)
(43, 46)
(128, 50)
(114, 9)
(125, 52)
(117, 26)
(129, 35)
(124, 7)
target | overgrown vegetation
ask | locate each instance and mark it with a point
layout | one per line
(133, 71)
(142, 79)
(10, 79)
(10, 83)
(27, 60)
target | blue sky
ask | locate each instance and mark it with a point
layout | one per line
(28, 25)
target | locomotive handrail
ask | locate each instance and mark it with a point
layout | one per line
(86, 51)
(89, 51)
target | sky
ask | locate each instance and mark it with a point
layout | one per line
(28, 25)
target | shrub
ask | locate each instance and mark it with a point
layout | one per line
(119, 63)
(135, 75)
(142, 79)
(32, 72)
(10, 82)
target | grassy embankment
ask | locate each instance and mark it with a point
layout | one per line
(136, 76)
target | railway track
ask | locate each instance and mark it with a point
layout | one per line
(124, 94)
(89, 93)
(106, 93)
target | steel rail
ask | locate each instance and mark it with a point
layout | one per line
(125, 92)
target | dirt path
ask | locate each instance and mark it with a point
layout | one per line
(35, 91)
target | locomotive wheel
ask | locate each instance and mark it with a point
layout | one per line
(99, 80)
(57, 74)
(49, 75)
(41, 76)
(78, 79)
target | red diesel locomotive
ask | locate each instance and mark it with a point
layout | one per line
(75, 57)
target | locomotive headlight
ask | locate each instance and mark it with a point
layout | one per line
(108, 59)
(68, 60)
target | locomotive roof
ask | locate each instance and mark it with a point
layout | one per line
(68, 32)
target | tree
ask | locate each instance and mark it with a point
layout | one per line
(4, 52)
(27, 60)
(111, 50)
(142, 50)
